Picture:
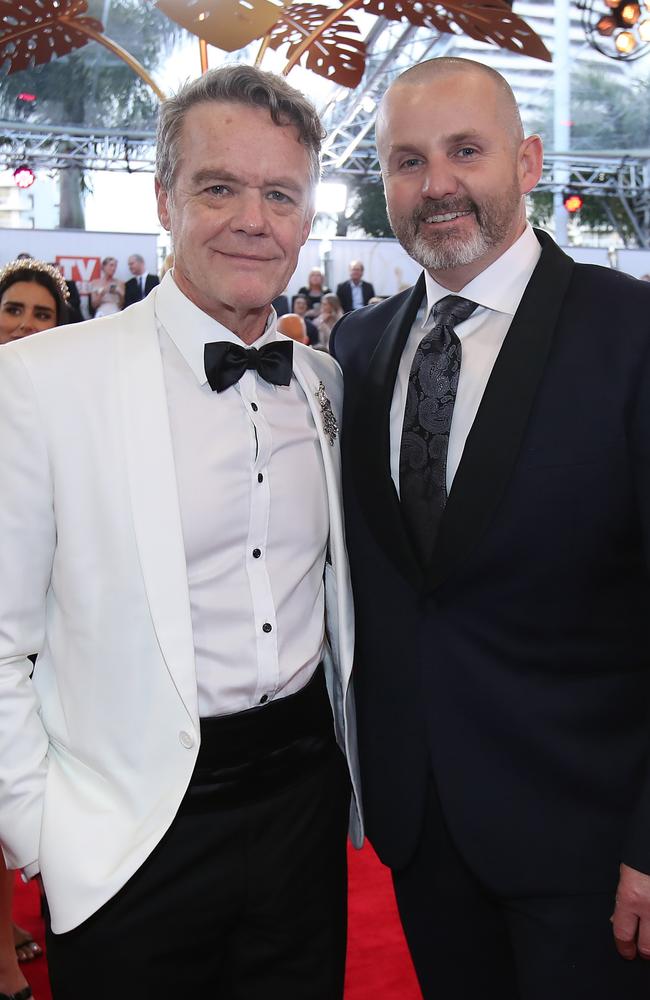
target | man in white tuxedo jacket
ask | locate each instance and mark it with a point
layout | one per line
(181, 766)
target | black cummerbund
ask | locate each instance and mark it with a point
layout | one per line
(261, 751)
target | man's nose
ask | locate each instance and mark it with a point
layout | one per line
(249, 215)
(439, 179)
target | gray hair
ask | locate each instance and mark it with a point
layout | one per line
(240, 85)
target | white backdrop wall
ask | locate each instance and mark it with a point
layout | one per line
(79, 251)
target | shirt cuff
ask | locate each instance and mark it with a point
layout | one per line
(30, 871)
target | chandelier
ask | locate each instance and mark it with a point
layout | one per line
(619, 29)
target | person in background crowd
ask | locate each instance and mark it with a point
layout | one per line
(141, 283)
(497, 451)
(281, 305)
(167, 265)
(355, 293)
(329, 315)
(107, 291)
(74, 301)
(314, 290)
(301, 307)
(33, 297)
(180, 767)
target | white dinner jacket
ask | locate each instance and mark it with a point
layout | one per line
(97, 751)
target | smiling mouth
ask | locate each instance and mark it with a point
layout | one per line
(447, 217)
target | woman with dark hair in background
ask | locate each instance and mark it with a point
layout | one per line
(33, 297)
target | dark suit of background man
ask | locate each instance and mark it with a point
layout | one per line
(355, 293)
(503, 638)
(182, 767)
(139, 286)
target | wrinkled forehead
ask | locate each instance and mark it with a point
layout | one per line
(449, 100)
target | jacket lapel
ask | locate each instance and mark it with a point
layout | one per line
(495, 438)
(154, 495)
(309, 380)
(370, 444)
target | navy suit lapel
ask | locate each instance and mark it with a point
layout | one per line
(495, 437)
(371, 441)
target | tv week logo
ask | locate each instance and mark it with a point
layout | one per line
(79, 269)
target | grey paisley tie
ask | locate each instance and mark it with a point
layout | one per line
(433, 382)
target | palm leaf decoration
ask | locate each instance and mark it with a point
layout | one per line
(226, 24)
(485, 20)
(336, 49)
(327, 41)
(32, 32)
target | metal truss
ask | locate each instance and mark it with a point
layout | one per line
(349, 151)
(57, 148)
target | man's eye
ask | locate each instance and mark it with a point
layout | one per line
(411, 163)
(466, 152)
(218, 189)
(279, 196)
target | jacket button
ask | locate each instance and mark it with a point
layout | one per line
(186, 740)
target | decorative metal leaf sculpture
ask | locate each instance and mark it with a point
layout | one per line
(227, 24)
(484, 20)
(494, 21)
(32, 32)
(338, 52)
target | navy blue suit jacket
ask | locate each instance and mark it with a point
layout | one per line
(344, 294)
(515, 667)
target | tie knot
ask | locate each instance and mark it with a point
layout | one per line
(451, 310)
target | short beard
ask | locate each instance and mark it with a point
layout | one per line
(447, 250)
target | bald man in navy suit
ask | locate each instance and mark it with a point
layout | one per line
(496, 437)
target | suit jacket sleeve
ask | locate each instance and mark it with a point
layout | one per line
(27, 545)
(636, 853)
(344, 295)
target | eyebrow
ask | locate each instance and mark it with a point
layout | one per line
(220, 176)
(21, 305)
(468, 135)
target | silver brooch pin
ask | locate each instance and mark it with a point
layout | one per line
(330, 425)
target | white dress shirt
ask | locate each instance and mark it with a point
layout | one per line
(357, 295)
(254, 513)
(497, 290)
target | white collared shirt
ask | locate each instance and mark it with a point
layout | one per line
(357, 295)
(498, 291)
(254, 512)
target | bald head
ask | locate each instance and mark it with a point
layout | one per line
(495, 92)
(456, 166)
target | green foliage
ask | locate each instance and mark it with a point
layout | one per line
(369, 207)
(91, 87)
(607, 114)
(600, 215)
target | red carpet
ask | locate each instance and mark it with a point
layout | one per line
(27, 913)
(379, 966)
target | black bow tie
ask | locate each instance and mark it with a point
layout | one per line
(225, 363)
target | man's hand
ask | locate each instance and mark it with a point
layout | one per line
(631, 918)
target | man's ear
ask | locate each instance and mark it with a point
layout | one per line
(530, 163)
(162, 201)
